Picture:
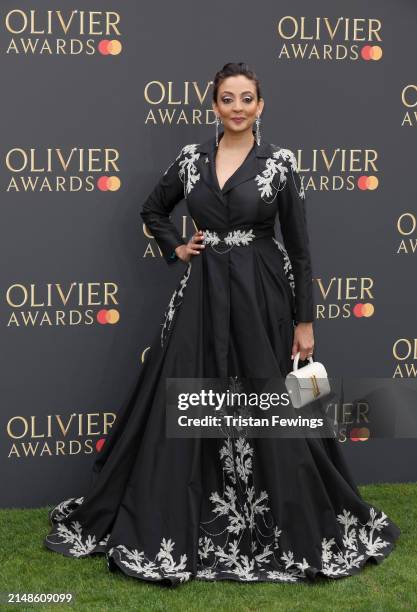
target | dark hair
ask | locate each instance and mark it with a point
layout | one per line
(233, 69)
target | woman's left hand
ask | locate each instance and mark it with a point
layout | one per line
(303, 340)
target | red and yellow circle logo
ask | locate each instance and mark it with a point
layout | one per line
(109, 47)
(360, 434)
(105, 316)
(371, 52)
(108, 183)
(363, 310)
(367, 182)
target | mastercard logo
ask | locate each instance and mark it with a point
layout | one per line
(109, 47)
(371, 52)
(367, 182)
(100, 444)
(108, 183)
(360, 434)
(108, 316)
(363, 310)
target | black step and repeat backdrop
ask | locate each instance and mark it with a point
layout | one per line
(97, 99)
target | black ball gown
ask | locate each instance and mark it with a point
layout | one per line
(170, 510)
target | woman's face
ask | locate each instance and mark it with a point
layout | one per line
(237, 104)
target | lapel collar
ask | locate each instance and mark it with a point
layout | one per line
(252, 166)
(205, 164)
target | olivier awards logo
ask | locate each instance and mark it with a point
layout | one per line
(339, 169)
(345, 297)
(56, 32)
(328, 38)
(57, 170)
(187, 103)
(55, 434)
(60, 304)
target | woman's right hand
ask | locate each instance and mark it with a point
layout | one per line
(185, 251)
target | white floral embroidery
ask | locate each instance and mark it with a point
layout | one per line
(211, 238)
(239, 237)
(243, 513)
(187, 169)
(162, 566)
(63, 509)
(233, 238)
(82, 545)
(287, 265)
(174, 302)
(85, 544)
(281, 160)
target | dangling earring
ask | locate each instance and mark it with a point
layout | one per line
(218, 122)
(258, 132)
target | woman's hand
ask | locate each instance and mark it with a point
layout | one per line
(303, 340)
(185, 251)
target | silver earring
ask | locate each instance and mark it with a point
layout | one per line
(258, 132)
(218, 122)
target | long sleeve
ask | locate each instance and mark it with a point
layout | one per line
(292, 217)
(158, 206)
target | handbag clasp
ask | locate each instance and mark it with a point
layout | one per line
(316, 390)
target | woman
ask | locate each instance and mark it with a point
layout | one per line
(169, 509)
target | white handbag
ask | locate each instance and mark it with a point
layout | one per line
(308, 383)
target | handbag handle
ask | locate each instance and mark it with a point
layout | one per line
(296, 359)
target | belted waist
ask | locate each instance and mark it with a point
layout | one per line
(235, 236)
